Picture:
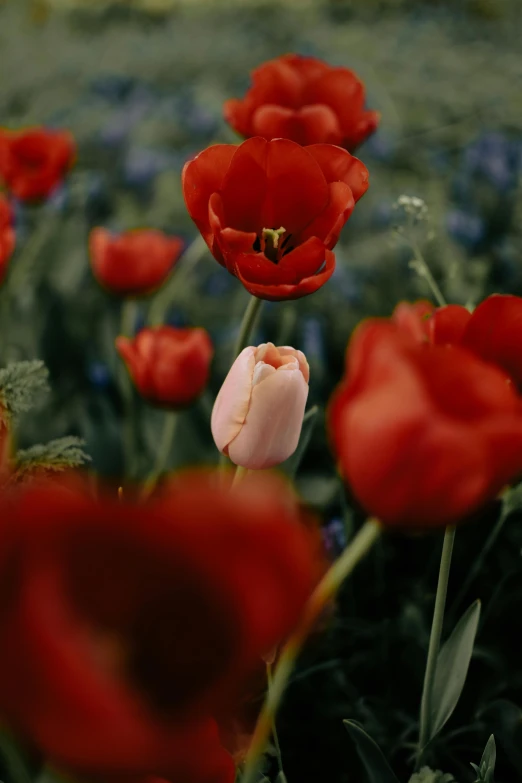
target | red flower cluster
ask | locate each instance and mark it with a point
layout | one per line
(134, 263)
(493, 331)
(426, 433)
(169, 367)
(7, 236)
(126, 629)
(33, 162)
(271, 211)
(306, 100)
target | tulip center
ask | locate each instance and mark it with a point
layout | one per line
(273, 243)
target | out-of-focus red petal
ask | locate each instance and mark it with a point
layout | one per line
(494, 332)
(447, 324)
(342, 90)
(276, 81)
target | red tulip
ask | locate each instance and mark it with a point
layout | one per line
(169, 367)
(126, 627)
(7, 236)
(33, 162)
(424, 434)
(271, 211)
(134, 263)
(306, 100)
(493, 331)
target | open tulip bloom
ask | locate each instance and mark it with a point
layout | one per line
(271, 211)
(306, 100)
(424, 434)
(34, 161)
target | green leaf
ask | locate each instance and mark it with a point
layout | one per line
(505, 718)
(291, 465)
(20, 385)
(57, 455)
(376, 766)
(486, 770)
(452, 668)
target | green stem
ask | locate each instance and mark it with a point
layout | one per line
(177, 281)
(479, 562)
(270, 679)
(247, 324)
(245, 331)
(323, 593)
(424, 271)
(129, 312)
(169, 431)
(434, 644)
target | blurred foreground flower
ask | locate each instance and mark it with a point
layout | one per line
(134, 263)
(7, 235)
(424, 434)
(127, 628)
(34, 161)
(169, 367)
(493, 331)
(306, 100)
(271, 211)
(258, 413)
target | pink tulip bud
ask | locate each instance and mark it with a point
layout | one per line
(258, 413)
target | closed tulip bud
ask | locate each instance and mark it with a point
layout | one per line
(258, 413)
(134, 263)
(169, 367)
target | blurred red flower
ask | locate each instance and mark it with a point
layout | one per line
(424, 434)
(306, 100)
(169, 367)
(126, 627)
(135, 262)
(33, 162)
(493, 331)
(271, 211)
(7, 236)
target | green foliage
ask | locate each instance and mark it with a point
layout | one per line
(376, 766)
(486, 769)
(57, 455)
(452, 668)
(21, 383)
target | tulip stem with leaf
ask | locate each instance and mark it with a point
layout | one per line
(323, 593)
(434, 643)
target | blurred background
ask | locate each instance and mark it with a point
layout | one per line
(141, 83)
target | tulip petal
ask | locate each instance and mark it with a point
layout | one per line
(203, 176)
(273, 424)
(339, 166)
(277, 292)
(494, 332)
(233, 400)
(448, 324)
(271, 184)
(343, 91)
(329, 224)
